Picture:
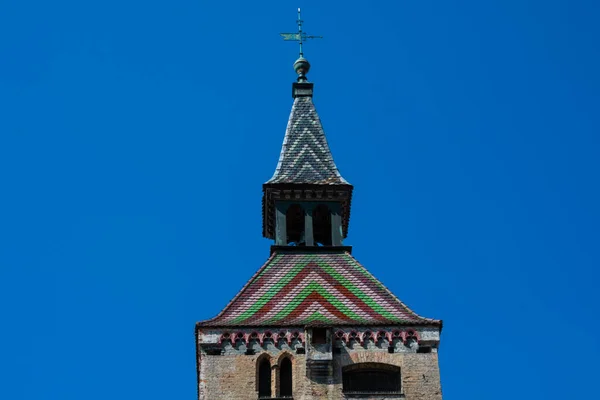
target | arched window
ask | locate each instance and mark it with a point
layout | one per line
(264, 378)
(371, 378)
(322, 225)
(285, 378)
(295, 225)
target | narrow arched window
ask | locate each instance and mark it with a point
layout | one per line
(264, 378)
(322, 225)
(295, 225)
(285, 378)
(371, 378)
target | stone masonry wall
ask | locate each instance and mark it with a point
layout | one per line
(419, 372)
(235, 377)
(232, 374)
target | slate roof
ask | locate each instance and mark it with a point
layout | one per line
(315, 289)
(305, 155)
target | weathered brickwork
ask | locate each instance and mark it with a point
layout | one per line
(228, 371)
(419, 372)
(235, 377)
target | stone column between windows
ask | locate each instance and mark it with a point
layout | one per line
(309, 237)
(281, 224)
(336, 225)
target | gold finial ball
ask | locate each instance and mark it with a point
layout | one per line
(301, 66)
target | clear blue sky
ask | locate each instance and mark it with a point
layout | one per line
(135, 136)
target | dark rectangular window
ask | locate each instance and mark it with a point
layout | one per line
(319, 336)
(371, 378)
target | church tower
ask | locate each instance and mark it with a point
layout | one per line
(313, 323)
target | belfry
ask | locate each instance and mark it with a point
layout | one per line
(313, 323)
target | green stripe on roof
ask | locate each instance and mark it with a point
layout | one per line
(317, 316)
(357, 292)
(315, 287)
(273, 290)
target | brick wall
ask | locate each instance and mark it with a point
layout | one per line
(419, 372)
(232, 375)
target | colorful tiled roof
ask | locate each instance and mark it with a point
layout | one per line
(312, 289)
(305, 156)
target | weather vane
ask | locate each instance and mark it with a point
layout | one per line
(299, 37)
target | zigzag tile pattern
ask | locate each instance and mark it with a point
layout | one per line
(305, 155)
(312, 289)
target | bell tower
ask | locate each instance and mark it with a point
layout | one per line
(307, 201)
(313, 323)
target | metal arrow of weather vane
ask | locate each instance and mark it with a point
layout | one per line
(299, 37)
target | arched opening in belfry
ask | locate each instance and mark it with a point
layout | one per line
(295, 225)
(369, 378)
(322, 225)
(285, 377)
(264, 378)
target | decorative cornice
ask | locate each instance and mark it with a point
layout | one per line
(420, 335)
(261, 335)
(361, 336)
(311, 249)
(307, 192)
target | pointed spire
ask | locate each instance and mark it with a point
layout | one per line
(306, 171)
(305, 156)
